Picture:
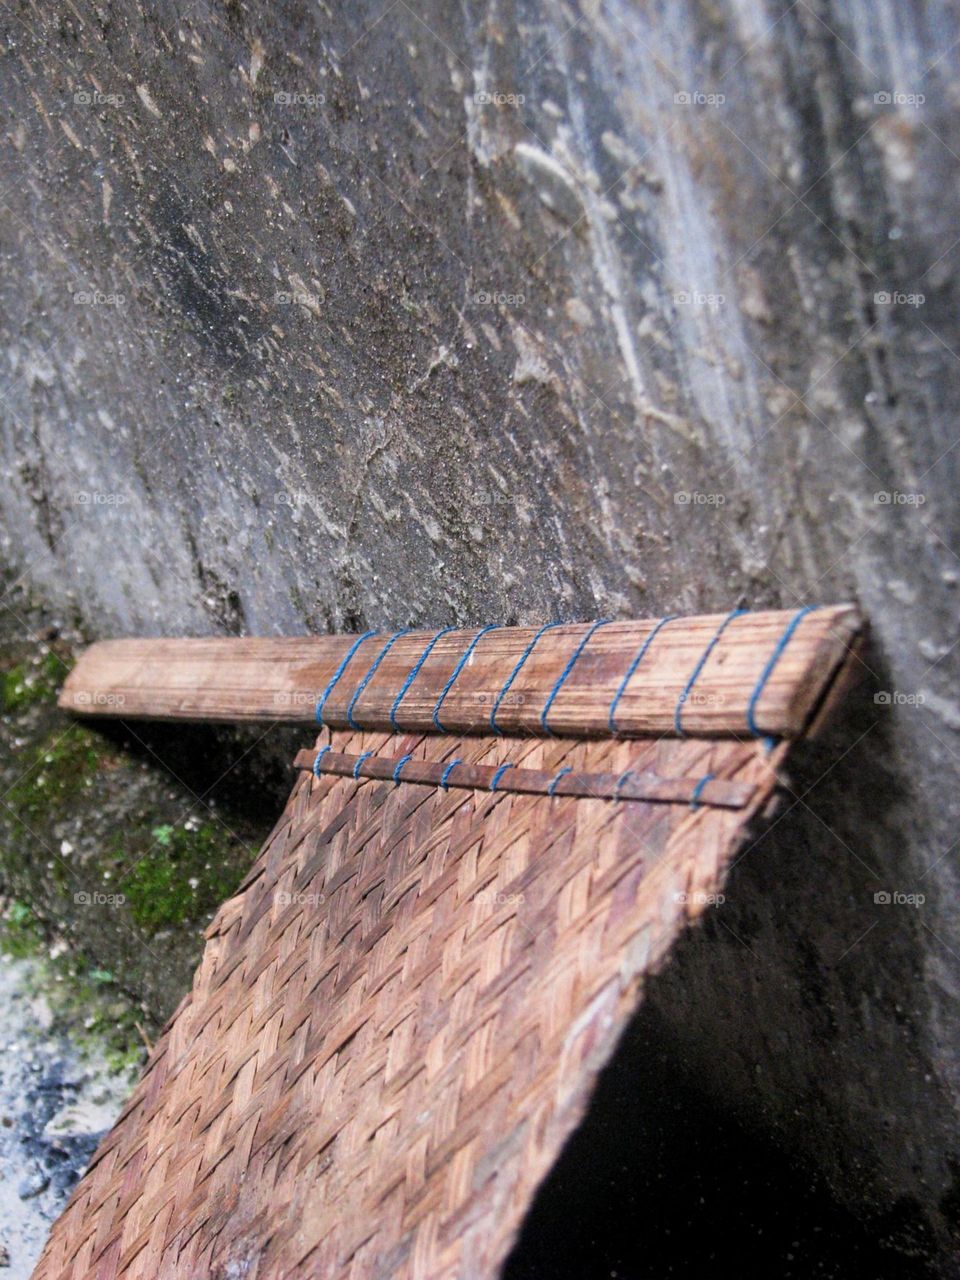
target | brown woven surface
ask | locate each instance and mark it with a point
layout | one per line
(398, 1020)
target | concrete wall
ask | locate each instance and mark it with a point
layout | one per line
(309, 322)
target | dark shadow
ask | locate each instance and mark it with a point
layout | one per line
(658, 1181)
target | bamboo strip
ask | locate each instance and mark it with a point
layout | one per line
(647, 785)
(282, 679)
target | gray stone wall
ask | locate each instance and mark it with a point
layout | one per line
(323, 316)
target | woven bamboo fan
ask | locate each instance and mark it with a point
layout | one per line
(398, 1019)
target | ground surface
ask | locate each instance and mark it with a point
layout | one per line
(56, 1101)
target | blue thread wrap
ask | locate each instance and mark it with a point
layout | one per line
(516, 671)
(678, 713)
(446, 773)
(552, 789)
(565, 672)
(698, 790)
(360, 759)
(321, 702)
(369, 676)
(316, 764)
(772, 661)
(400, 763)
(414, 672)
(493, 626)
(611, 717)
(627, 773)
(495, 780)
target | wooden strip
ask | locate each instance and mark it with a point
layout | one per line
(644, 785)
(226, 679)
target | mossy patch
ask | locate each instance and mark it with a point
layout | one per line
(29, 684)
(185, 874)
(55, 770)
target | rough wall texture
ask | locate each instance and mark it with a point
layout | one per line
(310, 322)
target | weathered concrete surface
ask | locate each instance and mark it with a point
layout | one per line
(306, 412)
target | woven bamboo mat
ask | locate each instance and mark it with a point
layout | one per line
(399, 1018)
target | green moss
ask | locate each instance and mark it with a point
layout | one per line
(183, 876)
(54, 772)
(22, 935)
(30, 683)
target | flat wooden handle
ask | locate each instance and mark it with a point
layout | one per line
(698, 676)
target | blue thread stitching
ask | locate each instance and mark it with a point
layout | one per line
(316, 764)
(771, 663)
(515, 672)
(565, 672)
(339, 672)
(611, 721)
(414, 672)
(678, 713)
(498, 775)
(370, 674)
(551, 790)
(400, 763)
(456, 671)
(627, 773)
(360, 759)
(698, 790)
(446, 773)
